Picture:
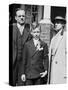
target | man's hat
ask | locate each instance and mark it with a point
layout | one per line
(60, 19)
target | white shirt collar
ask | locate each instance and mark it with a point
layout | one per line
(35, 41)
(59, 33)
(21, 28)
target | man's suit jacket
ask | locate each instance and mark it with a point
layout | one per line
(18, 45)
(34, 62)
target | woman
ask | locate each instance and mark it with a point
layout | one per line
(57, 53)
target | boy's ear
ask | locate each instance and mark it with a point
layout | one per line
(31, 33)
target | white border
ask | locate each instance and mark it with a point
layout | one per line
(4, 42)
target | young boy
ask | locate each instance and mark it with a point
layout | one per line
(34, 64)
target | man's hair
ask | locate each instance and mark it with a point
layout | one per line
(35, 25)
(17, 9)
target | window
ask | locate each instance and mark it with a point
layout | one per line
(33, 13)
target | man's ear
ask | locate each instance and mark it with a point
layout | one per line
(15, 18)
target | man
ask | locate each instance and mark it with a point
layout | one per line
(57, 53)
(34, 65)
(21, 34)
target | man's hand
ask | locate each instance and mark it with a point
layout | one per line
(23, 77)
(43, 74)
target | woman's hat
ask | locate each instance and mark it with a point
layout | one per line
(59, 19)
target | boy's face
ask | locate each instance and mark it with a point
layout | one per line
(36, 33)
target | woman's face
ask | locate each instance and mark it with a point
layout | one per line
(58, 26)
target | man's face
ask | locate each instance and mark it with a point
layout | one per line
(58, 26)
(20, 17)
(36, 33)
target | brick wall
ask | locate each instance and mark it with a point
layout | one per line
(45, 35)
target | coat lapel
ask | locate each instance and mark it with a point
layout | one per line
(25, 36)
(41, 43)
(32, 48)
(17, 29)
